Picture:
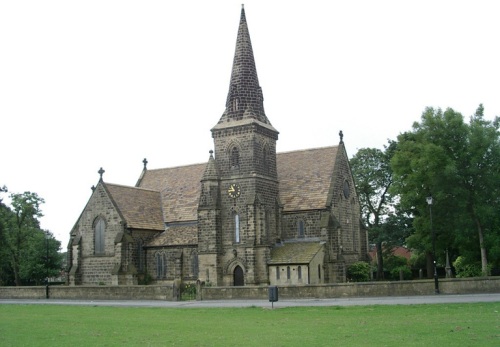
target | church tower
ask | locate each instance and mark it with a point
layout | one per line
(239, 212)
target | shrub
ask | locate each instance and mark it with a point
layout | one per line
(395, 272)
(359, 272)
(145, 279)
(465, 268)
(394, 264)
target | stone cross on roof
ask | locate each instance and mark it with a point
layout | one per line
(100, 172)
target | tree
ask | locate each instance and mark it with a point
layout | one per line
(459, 164)
(373, 178)
(24, 245)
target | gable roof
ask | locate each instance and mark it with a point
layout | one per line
(179, 188)
(304, 178)
(179, 235)
(295, 253)
(141, 208)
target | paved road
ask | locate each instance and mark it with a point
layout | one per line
(397, 300)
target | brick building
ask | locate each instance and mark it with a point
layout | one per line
(249, 216)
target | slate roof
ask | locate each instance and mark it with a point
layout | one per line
(176, 236)
(305, 177)
(295, 253)
(141, 208)
(180, 190)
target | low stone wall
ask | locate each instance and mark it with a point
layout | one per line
(363, 289)
(150, 292)
(341, 290)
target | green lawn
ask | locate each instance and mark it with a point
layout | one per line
(416, 325)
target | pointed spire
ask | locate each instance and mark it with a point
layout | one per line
(211, 168)
(244, 100)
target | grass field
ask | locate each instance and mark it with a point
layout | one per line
(475, 324)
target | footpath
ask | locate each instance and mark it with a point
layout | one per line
(399, 300)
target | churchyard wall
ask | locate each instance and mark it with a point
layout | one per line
(341, 290)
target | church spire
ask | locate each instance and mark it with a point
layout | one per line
(244, 100)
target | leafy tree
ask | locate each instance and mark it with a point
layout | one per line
(24, 245)
(459, 164)
(5, 270)
(373, 177)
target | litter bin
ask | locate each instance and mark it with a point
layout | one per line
(273, 293)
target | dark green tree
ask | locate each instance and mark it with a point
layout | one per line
(459, 165)
(373, 178)
(24, 244)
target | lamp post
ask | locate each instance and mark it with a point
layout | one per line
(436, 283)
(47, 236)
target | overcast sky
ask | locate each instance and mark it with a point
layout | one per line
(90, 84)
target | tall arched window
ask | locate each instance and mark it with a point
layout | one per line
(300, 229)
(160, 265)
(99, 236)
(235, 158)
(140, 255)
(236, 228)
(194, 263)
(299, 272)
(288, 273)
(265, 163)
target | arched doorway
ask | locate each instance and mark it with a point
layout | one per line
(238, 277)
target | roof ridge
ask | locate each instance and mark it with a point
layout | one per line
(131, 187)
(176, 167)
(307, 149)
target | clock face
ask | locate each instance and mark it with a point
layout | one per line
(234, 190)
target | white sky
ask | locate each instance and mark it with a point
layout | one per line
(85, 84)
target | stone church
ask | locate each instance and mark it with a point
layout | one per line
(248, 216)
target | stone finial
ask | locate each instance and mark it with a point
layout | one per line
(93, 188)
(145, 162)
(211, 153)
(341, 135)
(100, 172)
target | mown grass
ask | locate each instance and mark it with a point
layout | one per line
(475, 324)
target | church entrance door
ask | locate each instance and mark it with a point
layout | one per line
(238, 276)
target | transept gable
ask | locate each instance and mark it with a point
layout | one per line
(139, 208)
(305, 177)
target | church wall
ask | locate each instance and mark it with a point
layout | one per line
(179, 263)
(295, 279)
(99, 206)
(317, 268)
(312, 225)
(97, 268)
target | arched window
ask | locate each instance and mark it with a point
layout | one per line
(319, 271)
(299, 272)
(267, 225)
(288, 274)
(277, 272)
(99, 236)
(160, 265)
(235, 158)
(140, 255)
(194, 263)
(300, 229)
(265, 163)
(237, 228)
